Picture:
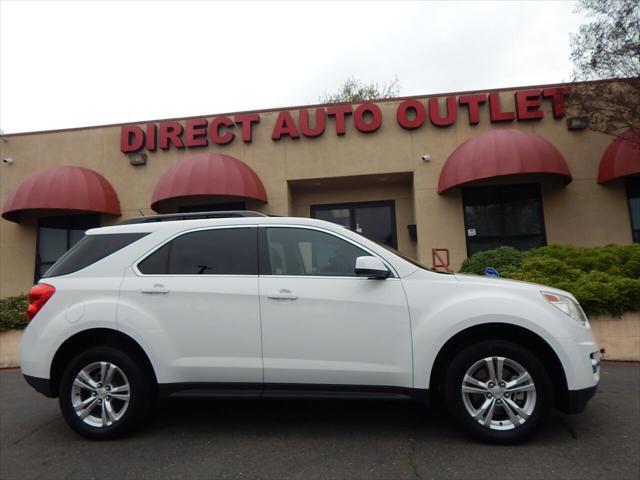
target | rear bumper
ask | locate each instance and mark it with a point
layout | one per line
(41, 385)
(576, 400)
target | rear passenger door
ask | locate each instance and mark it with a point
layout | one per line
(195, 298)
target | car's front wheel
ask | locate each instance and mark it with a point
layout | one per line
(498, 391)
(104, 393)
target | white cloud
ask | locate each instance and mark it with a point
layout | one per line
(70, 64)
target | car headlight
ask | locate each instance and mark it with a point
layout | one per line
(567, 305)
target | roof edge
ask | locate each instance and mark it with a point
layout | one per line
(314, 105)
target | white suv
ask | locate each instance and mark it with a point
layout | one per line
(251, 305)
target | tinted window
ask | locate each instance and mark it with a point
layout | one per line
(89, 250)
(633, 194)
(228, 251)
(297, 251)
(503, 215)
(56, 235)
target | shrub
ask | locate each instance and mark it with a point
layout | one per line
(502, 259)
(13, 313)
(605, 280)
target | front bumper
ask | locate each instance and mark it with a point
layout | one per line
(577, 400)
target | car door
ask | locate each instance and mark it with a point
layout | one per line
(321, 324)
(194, 300)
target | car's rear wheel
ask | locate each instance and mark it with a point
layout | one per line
(104, 393)
(498, 391)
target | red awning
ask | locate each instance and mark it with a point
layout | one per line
(621, 158)
(209, 174)
(63, 188)
(498, 153)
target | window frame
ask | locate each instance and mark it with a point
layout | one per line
(542, 219)
(627, 187)
(166, 241)
(264, 263)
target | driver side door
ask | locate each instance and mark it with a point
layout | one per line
(322, 324)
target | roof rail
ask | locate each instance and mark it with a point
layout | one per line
(170, 217)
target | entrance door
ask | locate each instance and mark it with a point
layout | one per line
(321, 324)
(374, 220)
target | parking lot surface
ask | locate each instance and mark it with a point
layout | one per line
(319, 439)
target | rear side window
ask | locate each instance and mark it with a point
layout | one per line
(89, 250)
(227, 251)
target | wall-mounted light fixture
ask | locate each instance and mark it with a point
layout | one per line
(138, 159)
(577, 123)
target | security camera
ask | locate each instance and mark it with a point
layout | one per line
(7, 161)
(425, 158)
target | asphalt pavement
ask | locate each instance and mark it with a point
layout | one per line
(319, 439)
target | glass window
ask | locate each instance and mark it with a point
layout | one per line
(374, 220)
(503, 215)
(89, 250)
(299, 251)
(225, 251)
(633, 194)
(56, 235)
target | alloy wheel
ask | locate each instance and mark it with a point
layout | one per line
(498, 393)
(100, 394)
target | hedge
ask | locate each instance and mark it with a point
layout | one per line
(13, 312)
(605, 280)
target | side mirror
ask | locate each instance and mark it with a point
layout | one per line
(371, 267)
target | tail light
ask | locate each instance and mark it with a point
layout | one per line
(38, 296)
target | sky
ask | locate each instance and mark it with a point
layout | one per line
(74, 64)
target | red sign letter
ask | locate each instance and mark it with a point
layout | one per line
(152, 133)
(340, 112)
(131, 138)
(304, 123)
(170, 133)
(473, 102)
(498, 115)
(403, 118)
(557, 99)
(434, 112)
(376, 118)
(214, 130)
(196, 133)
(285, 126)
(527, 105)
(247, 121)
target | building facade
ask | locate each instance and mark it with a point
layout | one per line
(438, 177)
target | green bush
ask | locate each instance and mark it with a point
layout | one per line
(502, 259)
(13, 312)
(605, 280)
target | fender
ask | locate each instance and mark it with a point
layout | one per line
(66, 314)
(450, 307)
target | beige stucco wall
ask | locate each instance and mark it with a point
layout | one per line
(582, 212)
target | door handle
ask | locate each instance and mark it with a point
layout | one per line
(283, 294)
(155, 288)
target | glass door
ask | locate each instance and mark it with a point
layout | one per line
(374, 220)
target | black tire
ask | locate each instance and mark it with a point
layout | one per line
(541, 404)
(140, 392)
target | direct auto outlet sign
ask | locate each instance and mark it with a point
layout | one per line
(366, 118)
